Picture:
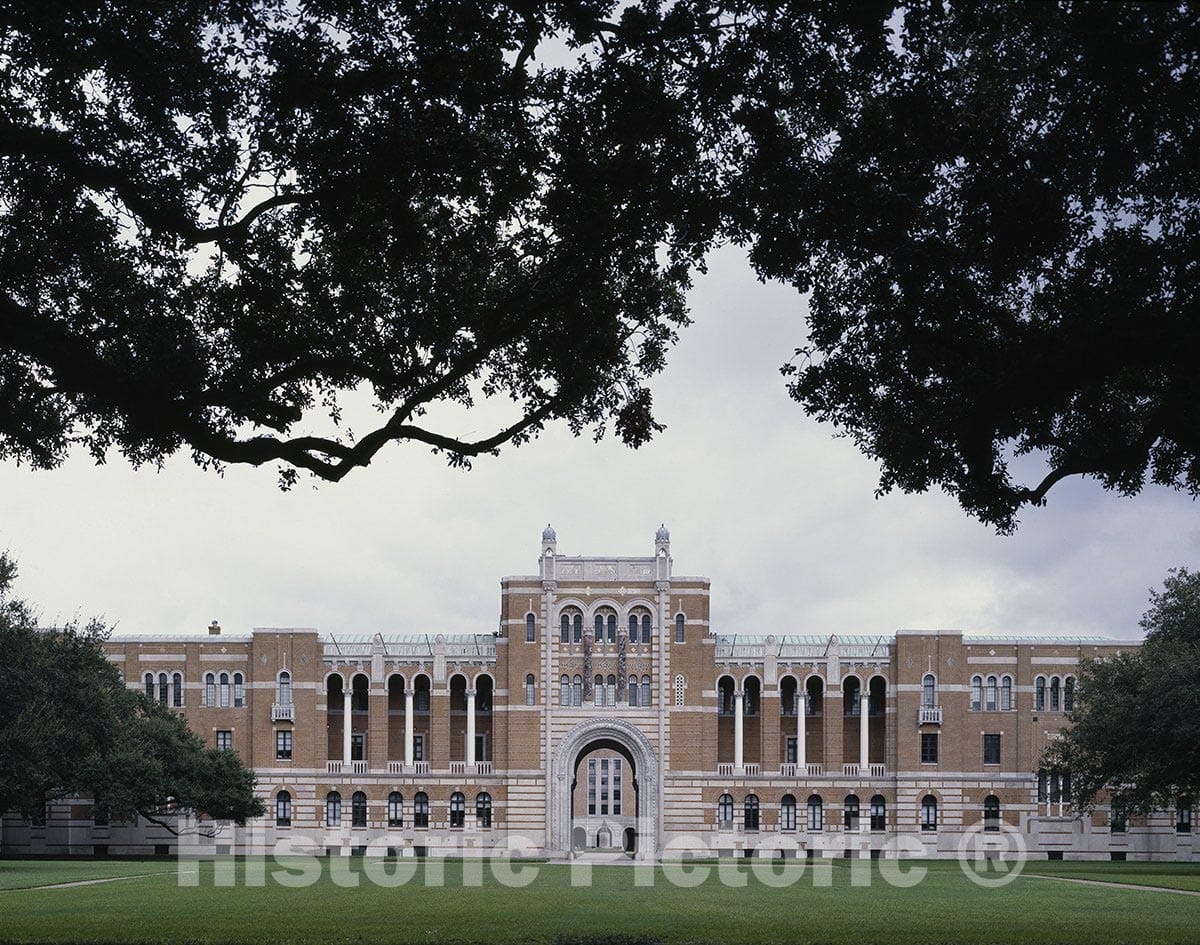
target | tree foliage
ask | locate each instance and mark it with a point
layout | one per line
(69, 726)
(1001, 250)
(218, 215)
(1135, 728)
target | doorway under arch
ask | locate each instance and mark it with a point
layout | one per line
(627, 741)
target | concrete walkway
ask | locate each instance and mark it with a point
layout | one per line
(89, 882)
(1100, 882)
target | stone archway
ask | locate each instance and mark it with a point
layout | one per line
(645, 763)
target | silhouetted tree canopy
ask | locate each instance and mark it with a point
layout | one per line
(217, 216)
(69, 726)
(1135, 733)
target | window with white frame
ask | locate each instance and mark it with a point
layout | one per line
(530, 689)
(395, 809)
(210, 690)
(633, 690)
(976, 693)
(283, 809)
(239, 691)
(929, 691)
(483, 809)
(990, 692)
(1039, 694)
(530, 628)
(929, 806)
(725, 810)
(283, 693)
(680, 623)
(816, 812)
(787, 813)
(283, 745)
(177, 690)
(333, 809)
(358, 809)
(421, 809)
(1006, 694)
(224, 740)
(646, 700)
(564, 690)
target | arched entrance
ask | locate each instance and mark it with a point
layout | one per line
(627, 741)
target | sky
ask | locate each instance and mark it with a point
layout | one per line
(767, 503)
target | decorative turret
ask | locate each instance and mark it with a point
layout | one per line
(662, 554)
(549, 553)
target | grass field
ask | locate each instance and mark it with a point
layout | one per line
(943, 908)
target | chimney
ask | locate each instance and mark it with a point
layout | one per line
(214, 629)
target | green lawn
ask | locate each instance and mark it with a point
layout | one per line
(23, 874)
(1170, 875)
(944, 908)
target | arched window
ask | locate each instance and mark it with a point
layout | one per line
(1039, 694)
(787, 812)
(239, 691)
(598, 629)
(680, 621)
(680, 685)
(976, 693)
(483, 809)
(750, 812)
(878, 812)
(164, 689)
(577, 627)
(1006, 702)
(645, 628)
(1069, 694)
(421, 693)
(530, 628)
(751, 688)
(395, 809)
(577, 690)
(283, 809)
(816, 812)
(223, 687)
(991, 812)
(530, 689)
(149, 685)
(458, 809)
(929, 691)
(177, 690)
(611, 620)
(990, 696)
(725, 810)
(564, 629)
(633, 690)
(850, 812)
(333, 809)
(358, 809)
(929, 813)
(283, 692)
(646, 691)
(421, 809)
(1055, 694)
(210, 690)
(598, 686)
(564, 690)
(611, 685)
(633, 628)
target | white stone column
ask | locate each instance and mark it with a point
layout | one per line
(864, 731)
(802, 734)
(739, 703)
(470, 726)
(347, 726)
(409, 702)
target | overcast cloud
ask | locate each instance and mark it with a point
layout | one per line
(765, 502)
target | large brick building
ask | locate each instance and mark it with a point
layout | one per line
(606, 712)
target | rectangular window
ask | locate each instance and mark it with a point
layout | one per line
(592, 786)
(283, 746)
(224, 741)
(792, 751)
(929, 748)
(604, 786)
(991, 749)
(1117, 820)
(616, 784)
(418, 748)
(356, 746)
(1183, 817)
(481, 748)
